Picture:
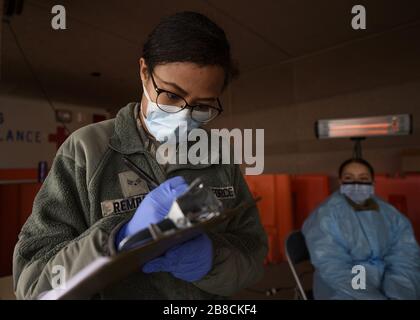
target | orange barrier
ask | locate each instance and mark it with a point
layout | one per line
(403, 193)
(284, 210)
(15, 206)
(308, 191)
(18, 174)
(9, 224)
(275, 210)
(263, 186)
(286, 203)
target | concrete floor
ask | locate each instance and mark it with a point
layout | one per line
(275, 276)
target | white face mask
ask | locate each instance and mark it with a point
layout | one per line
(358, 192)
(163, 125)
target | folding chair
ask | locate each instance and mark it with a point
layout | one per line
(296, 253)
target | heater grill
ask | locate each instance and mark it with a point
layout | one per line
(391, 125)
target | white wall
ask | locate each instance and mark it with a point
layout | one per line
(35, 120)
(375, 76)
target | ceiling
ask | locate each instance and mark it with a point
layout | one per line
(106, 37)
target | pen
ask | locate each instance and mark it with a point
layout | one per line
(150, 182)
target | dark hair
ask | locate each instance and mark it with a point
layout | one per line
(354, 160)
(189, 37)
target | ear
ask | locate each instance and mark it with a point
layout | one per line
(144, 71)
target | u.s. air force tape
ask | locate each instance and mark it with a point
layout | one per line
(224, 192)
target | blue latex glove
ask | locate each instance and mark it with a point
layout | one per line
(189, 261)
(154, 207)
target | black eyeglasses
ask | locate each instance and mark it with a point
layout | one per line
(172, 103)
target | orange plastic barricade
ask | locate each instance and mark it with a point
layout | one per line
(9, 225)
(404, 194)
(284, 210)
(28, 193)
(15, 206)
(275, 210)
(263, 186)
(309, 191)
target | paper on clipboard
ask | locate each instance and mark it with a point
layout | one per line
(79, 277)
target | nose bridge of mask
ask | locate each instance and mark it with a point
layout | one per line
(357, 186)
(161, 124)
(367, 188)
(182, 115)
(152, 107)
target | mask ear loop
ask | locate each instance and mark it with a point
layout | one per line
(142, 116)
(146, 94)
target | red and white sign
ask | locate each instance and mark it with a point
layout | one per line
(30, 133)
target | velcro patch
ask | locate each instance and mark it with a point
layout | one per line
(224, 192)
(119, 206)
(131, 184)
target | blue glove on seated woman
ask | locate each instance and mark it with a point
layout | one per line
(189, 261)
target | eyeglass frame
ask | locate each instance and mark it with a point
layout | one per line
(160, 90)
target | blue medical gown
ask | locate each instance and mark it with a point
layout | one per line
(339, 238)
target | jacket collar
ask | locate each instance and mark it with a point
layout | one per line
(128, 138)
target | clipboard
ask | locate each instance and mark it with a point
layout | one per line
(106, 271)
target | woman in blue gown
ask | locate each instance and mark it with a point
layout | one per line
(361, 246)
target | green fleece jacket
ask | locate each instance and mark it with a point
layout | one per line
(90, 191)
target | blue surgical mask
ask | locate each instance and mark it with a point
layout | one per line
(162, 124)
(358, 192)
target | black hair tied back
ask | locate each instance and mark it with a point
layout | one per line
(189, 37)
